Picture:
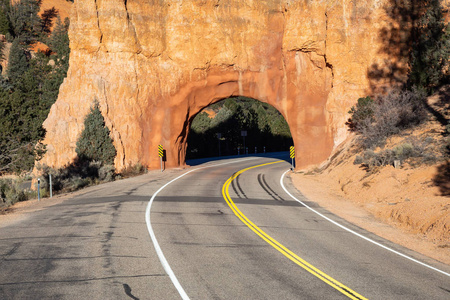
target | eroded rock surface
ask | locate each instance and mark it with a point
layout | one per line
(153, 65)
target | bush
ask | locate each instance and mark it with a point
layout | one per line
(75, 176)
(414, 151)
(362, 113)
(10, 192)
(388, 115)
(135, 170)
(382, 158)
(404, 151)
(358, 160)
(106, 173)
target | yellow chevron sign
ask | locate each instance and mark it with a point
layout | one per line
(160, 151)
(292, 151)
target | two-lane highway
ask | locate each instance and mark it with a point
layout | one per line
(225, 230)
(232, 232)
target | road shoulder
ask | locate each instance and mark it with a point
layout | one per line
(320, 192)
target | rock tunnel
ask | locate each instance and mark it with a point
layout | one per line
(153, 65)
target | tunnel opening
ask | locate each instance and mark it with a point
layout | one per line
(237, 126)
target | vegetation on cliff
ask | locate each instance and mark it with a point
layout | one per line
(32, 79)
(426, 40)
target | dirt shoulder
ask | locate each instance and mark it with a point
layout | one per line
(21, 210)
(401, 205)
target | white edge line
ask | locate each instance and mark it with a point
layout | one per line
(357, 234)
(158, 250)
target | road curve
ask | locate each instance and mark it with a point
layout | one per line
(95, 244)
(216, 255)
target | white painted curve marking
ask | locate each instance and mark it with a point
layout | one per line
(158, 250)
(357, 234)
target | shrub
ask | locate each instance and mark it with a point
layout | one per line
(106, 173)
(78, 183)
(75, 176)
(404, 151)
(362, 113)
(414, 151)
(358, 160)
(135, 170)
(388, 115)
(383, 158)
(11, 193)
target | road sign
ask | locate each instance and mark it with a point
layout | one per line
(161, 155)
(292, 154)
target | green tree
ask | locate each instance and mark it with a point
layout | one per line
(32, 85)
(4, 22)
(17, 62)
(20, 132)
(431, 49)
(201, 122)
(25, 21)
(95, 144)
(59, 43)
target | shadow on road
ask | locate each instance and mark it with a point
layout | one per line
(280, 155)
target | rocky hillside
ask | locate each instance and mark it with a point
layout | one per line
(413, 197)
(63, 7)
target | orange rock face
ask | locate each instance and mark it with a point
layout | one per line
(153, 65)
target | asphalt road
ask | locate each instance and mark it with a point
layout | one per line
(96, 244)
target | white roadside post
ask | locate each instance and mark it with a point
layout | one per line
(39, 189)
(50, 184)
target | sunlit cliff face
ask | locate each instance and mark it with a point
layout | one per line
(153, 65)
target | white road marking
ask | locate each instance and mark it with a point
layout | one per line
(159, 252)
(357, 234)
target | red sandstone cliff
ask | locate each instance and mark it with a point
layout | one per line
(154, 65)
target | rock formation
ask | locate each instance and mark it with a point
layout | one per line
(153, 65)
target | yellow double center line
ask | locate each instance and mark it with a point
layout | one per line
(285, 251)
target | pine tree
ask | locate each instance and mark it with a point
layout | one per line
(20, 131)
(431, 49)
(95, 144)
(17, 62)
(25, 21)
(32, 85)
(4, 22)
(5, 26)
(59, 43)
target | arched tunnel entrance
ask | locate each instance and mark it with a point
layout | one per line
(303, 106)
(237, 126)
